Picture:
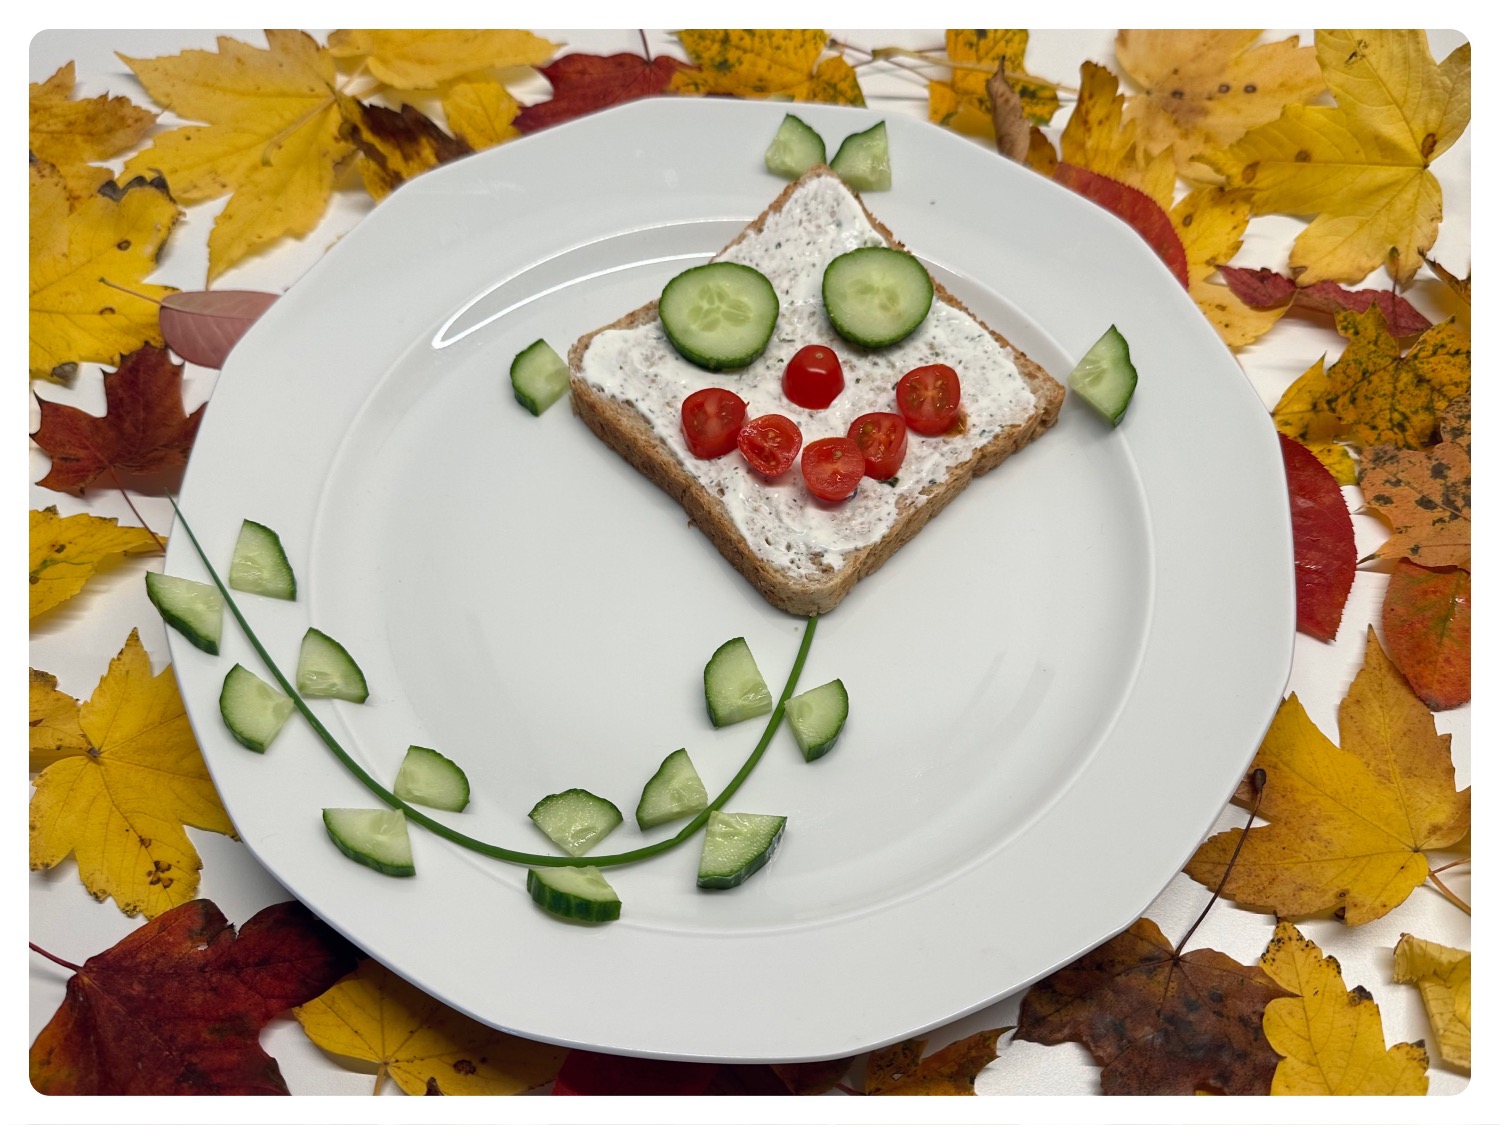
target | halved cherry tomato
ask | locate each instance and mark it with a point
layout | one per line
(882, 439)
(833, 467)
(711, 420)
(928, 398)
(813, 377)
(770, 443)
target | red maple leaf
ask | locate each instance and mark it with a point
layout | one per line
(585, 83)
(143, 431)
(177, 1006)
(1322, 541)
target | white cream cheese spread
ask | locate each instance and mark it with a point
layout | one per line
(780, 520)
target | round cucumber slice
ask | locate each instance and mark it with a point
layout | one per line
(720, 315)
(876, 295)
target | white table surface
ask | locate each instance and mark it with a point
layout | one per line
(76, 643)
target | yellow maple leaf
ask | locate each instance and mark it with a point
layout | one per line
(1210, 222)
(1098, 138)
(1330, 1037)
(120, 805)
(1302, 414)
(271, 139)
(375, 1016)
(1206, 88)
(1361, 167)
(55, 730)
(1385, 397)
(72, 134)
(900, 1068)
(765, 63)
(1349, 825)
(1441, 973)
(427, 59)
(75, 315)
(67, 551)
(481, 113)
(961, 103)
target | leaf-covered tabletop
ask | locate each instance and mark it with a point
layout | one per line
(1311, 191)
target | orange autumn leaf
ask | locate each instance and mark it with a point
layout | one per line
(66, 551)
(765, 63)
(1349, 825)
(1206, 88)
(1330, 1036)
(900, 1069)
(1425, 494)
(120, 806)
(1425, 616)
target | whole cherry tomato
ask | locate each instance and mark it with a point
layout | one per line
(928, 398)
(833, 467)
(813, 377)
(770, 443)
(881, 438)
(711, 420)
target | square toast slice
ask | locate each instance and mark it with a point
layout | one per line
(803, 554)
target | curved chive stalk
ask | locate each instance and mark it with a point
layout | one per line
(496, 851)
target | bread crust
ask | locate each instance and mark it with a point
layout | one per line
(625, 430)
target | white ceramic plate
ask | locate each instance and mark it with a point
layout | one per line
(1054, 687)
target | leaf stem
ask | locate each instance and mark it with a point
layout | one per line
(496, 851)
(1448, 894)
(1258, 784)
(115, 476)
(35, 948)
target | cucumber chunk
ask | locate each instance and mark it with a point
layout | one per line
(795, 148)
(863, 161)
(374, 837)
(259, 564)
(194, 609)
(1105, 377)
(575, 819)
(580, 894)
(876, 296)
(719, 315)
(326, 670)
(538, 376)
(253, 710)
(736, 846)
(733, 687)
(817, 718)
(674, 791)
(428, 778)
